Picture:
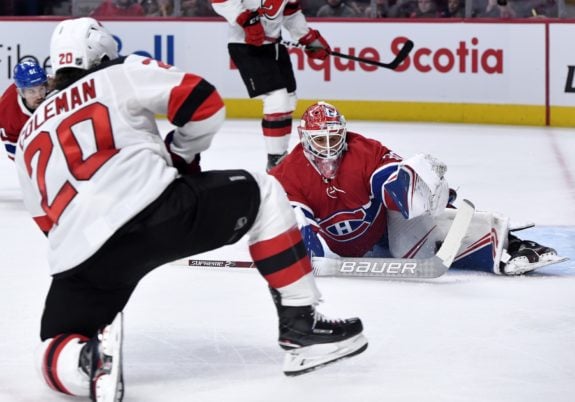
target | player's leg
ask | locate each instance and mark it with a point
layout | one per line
(78, 356)
(267, 73)
(277, 124)
(278, 251)
(230, 204)
(278, 110)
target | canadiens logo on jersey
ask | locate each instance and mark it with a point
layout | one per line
(271, 9)
(348, 225)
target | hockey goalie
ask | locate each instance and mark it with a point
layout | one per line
(354, 197)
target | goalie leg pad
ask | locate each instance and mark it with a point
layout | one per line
(481, 248)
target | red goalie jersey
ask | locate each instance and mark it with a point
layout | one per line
(348, 210)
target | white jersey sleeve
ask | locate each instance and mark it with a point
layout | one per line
(91, 156)
(273, 15)
(295, 22)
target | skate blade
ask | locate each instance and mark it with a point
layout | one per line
(519, 269)
(303, 360)
(110, 384)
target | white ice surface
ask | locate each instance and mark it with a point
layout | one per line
(209, 336)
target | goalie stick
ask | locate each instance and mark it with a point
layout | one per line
(401, 56)
(389, 268)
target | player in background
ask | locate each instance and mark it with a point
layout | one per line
(19, 101)
(102, 185)
(354, 197)
(264, 63)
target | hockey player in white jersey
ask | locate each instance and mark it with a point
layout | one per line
(111, 198)
(264, 63)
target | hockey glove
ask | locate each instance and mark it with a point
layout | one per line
(179, 163)
(316, 46)
(254, 31)
(419, 186)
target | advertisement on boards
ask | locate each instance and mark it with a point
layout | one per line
(477, 65)
(450, 63)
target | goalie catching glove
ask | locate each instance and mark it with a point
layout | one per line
(254, 31)
(419, 186)
(316, 47)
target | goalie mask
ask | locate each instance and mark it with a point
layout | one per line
(322, 134)
(81, 43)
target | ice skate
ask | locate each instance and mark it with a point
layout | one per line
(101, 359)
(524, 256)
(313, 341)
(274, 160)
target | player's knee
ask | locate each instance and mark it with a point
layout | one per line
(278, 101)
(292, 100)
(275, 215)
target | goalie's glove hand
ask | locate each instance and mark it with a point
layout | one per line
(254, 31)
(178, 162)
(316, 46)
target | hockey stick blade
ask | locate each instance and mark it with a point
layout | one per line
(401, 56)
(404, 268)
(457, 231)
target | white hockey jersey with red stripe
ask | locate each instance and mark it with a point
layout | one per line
(91, 156)
(273, 15)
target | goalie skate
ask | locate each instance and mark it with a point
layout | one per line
(524, 256)
(522, 265)
(102, 360)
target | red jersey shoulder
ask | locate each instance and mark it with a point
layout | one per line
(366, 154)
(294, 171)
(367, 147)
(12, 115)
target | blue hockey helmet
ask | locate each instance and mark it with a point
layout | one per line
(29, 74)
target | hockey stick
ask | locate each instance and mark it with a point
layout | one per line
(215, 263)
(389, 268)
(401, 56)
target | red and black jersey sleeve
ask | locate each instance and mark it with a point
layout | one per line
(194, 99)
